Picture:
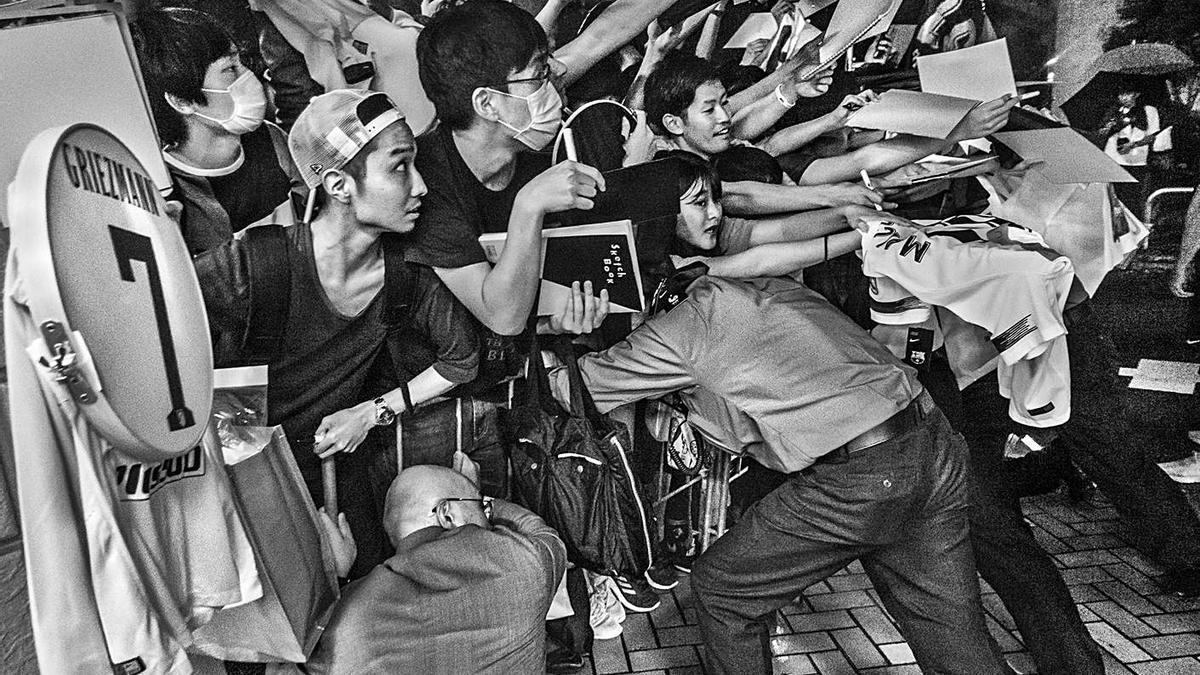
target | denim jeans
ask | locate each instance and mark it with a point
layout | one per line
(432, 434)
(901, 508)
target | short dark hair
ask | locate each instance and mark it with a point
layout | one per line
(746, 162)
(693, 169)
(175, 46)
(672, 86)
(477, 44)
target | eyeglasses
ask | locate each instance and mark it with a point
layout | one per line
(485, 502)
(540, 78)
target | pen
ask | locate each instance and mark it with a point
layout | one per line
(867, 181)
(1028, 95)
(568, 138)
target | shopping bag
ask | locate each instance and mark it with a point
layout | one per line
(570, 468)
(299, 582)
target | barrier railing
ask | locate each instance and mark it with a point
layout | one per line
(1161, 192)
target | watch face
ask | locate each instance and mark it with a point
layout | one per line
(383, 414)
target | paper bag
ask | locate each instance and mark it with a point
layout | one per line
(299, 582)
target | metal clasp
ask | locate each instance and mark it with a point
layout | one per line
(62, 363)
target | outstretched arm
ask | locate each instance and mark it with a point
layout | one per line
(876, 158)
(780, 258)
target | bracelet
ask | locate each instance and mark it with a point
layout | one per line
(782, 100)
(408, 404)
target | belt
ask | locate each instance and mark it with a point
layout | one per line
(901, 423)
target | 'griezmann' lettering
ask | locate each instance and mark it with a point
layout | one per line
(93, 172)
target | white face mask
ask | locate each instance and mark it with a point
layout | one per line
(545, 116)
(249, 104)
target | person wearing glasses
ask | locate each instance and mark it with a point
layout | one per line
(466, 592)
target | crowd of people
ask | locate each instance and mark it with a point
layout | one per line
(333, 191)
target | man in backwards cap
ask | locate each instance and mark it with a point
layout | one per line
(339, 372)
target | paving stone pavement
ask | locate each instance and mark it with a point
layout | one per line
(839, 626)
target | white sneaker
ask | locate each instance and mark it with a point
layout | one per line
(606, 612)
(1186, 470)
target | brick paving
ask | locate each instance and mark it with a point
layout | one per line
(838, 626)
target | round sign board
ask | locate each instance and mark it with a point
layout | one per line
(107, 274)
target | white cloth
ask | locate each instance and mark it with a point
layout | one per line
(999, 278)
(1075, 220)
(157, 547)
(391, 46)
(1139, 155)
(86, 598)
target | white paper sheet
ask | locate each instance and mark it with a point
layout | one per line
(1175, 377)
(912, 112)
(855, 21)
(980, 73)
(1067, 156)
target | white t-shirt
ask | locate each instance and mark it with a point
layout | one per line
(1130, 134)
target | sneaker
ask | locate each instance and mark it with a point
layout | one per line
(606, 612)
(1183, 583)
(634, 593)
(1186, 470)
(563, 660)
(679, 546)
(662, 578)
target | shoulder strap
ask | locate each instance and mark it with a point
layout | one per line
(400, 280)
(268, 258)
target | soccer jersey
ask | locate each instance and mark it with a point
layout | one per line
(994, 275)
(159, 545)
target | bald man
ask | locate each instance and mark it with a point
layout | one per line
(467, 591)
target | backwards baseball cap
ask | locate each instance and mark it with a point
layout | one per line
(335, 127)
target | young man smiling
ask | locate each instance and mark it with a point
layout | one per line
(686, 105)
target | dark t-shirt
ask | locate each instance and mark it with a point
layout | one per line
(458, 208)
(257, 187)
(330, 361)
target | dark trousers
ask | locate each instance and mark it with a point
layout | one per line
(1006, 554)
(901, 508)
(1161, 523)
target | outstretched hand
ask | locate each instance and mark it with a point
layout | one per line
(984, 119)
(582, 312)
(344, 430)
(564, 186)
(340, 540)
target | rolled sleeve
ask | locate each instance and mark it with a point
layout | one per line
(648, 363)
(449, 327)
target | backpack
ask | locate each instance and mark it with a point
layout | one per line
(247, 283)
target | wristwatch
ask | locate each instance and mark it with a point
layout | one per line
(384, 415)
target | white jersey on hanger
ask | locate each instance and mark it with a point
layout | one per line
(997, 276)
(156, 547)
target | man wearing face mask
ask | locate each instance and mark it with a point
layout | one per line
(486, 67)
(230, 170)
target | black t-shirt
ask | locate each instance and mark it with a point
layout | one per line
(458, 208)
(330, 361)
(257, 187)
